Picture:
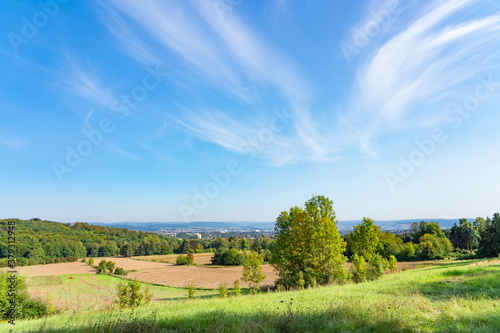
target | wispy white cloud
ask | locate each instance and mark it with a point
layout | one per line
(428, 60)
(228, 56)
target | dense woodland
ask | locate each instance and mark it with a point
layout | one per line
(43, 242)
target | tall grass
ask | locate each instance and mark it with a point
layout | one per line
(453, 297)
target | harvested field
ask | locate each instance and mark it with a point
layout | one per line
(129, 264)
(55, 269)
(199, 258)
(201, 277)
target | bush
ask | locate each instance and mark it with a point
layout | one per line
(191, 291)
(223, 290)
(190, 258)
(129, 295)
(26, 307)
(182, 260)
(393, 263)
(228, 257)
(302, 282)
(102, 266)
(376, 269)
(358, 269)
(91, 261)
(120, 271)
(236, 288)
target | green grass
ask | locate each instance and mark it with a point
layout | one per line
(90, 292)
(452, 297)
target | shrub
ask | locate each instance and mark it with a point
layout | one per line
(110, 265)
(182, 260)
(91, 261)
(129, 295)
(228, 257)
(236, 288)
(393, 263)
(358, 269)
(313, 282)
(223, 290)
(102, 266)
(190, 258)
(191, 291)
(26, 307)
(376, 269)
(120, 271)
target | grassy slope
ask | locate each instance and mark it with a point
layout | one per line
(454, 297)
(94, 291)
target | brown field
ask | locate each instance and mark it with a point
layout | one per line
(55, 269)
(201, 277)
(129, 264)
(162, 271)
(199, 258)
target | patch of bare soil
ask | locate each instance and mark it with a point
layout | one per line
(201, 277)
(129, 264)
(56, 269)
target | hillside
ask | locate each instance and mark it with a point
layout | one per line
(40, 242)
(452, 297)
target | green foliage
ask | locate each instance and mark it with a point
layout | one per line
(102, 266)
(434, 247)
(41, 242)
(365, 239)
(130, 295)
(191, 291)
(358, 269)
(237, 288)
(110, 265)
(489, 244)
(228, 257)
(223, 290)
(183, 260)
(376, 269)
(301, 282)
(308, 241)
(313, 282)
(393, 263)
(26, 307)
(120, 271)
(190, 258)
(91, 261)
(252, 271)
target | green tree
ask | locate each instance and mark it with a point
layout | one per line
(365, 239)
(308, 241)
(376, 269)
(357, 273)
(129, 295)
(223, 290)
(489, 244)
(102, 266)
(252, 271)
(110, 265)
(191, 291)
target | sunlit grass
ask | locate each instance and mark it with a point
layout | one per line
(453, 297)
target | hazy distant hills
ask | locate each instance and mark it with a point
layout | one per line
(251, 225)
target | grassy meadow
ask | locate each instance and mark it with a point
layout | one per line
(462, 296)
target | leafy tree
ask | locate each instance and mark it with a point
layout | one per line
(489, 244)
(182, 260)
(365, 239)
(110, 265)
(190, 258)
(129, 295)
(252, 271)
(191, 291)
(102, 266)
(308, 241)
(434, 247)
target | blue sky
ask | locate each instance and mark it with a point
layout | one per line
(234, 110)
